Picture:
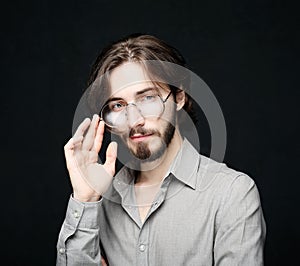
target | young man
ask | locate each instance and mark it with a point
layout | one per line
(172, 206)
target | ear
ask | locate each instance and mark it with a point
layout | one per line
(180, 99)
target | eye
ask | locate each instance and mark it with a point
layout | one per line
(116, 106)
(148, 98)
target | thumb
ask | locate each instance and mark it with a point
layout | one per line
(111, 156)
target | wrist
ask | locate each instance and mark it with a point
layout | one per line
(82, 198)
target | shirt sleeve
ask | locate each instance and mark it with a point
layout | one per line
(241, 228)
(78, 242)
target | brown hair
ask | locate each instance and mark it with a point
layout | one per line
(140, 48)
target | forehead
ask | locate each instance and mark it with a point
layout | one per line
(127, 79)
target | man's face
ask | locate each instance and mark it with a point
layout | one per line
(147, 137)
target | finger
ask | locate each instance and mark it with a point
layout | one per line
(82, 128)
(111, 156)
(103, 262)
(77, 142)
(89, 138)
(99, 137)
(69, 149)
(71, 145)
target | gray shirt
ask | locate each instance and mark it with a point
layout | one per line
(204, 214)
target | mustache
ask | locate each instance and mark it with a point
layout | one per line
(143, 131)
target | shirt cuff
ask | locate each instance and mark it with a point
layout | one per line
(83, 214)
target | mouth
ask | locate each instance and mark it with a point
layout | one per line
(140, 137)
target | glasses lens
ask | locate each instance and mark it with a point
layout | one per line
(113, 118)
(115, 115)
(151, 106)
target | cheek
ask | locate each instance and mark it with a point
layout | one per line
(169, 117)
(158, 124)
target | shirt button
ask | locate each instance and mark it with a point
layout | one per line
(76, 214)
(142, 247)
(61, 250)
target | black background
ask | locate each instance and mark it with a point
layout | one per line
(246, 51)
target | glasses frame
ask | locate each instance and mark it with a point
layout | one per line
(112, 127)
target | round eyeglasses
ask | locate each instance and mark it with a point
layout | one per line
(149, 104)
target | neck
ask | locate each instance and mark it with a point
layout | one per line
(162, 164)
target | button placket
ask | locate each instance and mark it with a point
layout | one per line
(143, 245)
(76, 214)
(61, 251)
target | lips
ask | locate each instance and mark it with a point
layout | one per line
(140, 137)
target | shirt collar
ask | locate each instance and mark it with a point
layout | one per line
(186, 164)
(184, 167)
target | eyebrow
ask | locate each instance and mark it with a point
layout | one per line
(137, 93)
(145, 90)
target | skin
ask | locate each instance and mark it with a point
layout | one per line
(143, 134)
(81, 151)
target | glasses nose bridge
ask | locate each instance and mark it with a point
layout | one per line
(134, 117)
(131, 103)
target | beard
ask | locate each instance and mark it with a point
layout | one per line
(142, 150)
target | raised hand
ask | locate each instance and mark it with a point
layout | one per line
(89, 179)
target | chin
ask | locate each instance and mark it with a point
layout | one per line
(149, 151)
(152, 147)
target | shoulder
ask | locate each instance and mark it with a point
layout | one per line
(234, 191)
(216, 175)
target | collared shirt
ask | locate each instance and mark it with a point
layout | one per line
(203, 214)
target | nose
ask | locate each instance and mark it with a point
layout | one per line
(134, 116)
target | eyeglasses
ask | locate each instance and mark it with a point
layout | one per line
(149, 104)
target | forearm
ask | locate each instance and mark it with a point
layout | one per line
(78, 242)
